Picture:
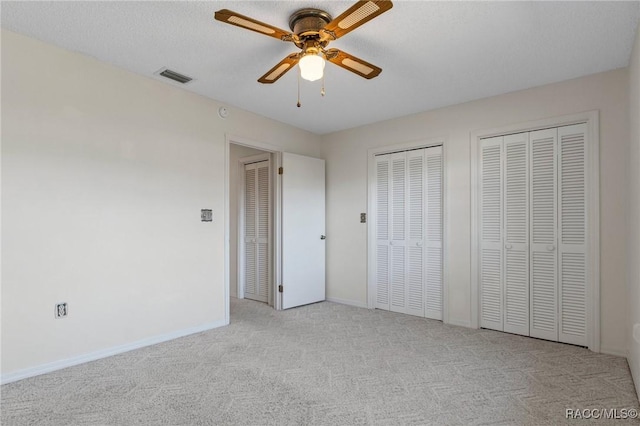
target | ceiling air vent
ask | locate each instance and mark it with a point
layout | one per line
(175, 76)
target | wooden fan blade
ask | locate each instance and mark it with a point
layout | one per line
(280, 69)
(353, 64)
(233, 18)
(358, 14)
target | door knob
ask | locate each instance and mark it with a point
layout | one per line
(508, 246)
(551, 247)
(419, 244)
(323, 237)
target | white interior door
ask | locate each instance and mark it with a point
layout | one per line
(303, 230)
(257, 220)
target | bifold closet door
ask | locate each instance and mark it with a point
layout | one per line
(532, 259)
(504, 234)
(491, 246)
(516, 234)
(383, 231)
(572, 247)
(434, 231)
(256, 231)
(414, 210)
(397, 243)
(543, 261)
(409, 232)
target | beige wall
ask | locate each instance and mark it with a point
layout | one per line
(236, 152)
(346, 155)
(104, 173)
(633, 214)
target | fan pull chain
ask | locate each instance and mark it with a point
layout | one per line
(299, 88)
(322, 90)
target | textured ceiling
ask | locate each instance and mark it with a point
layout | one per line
(433, 54)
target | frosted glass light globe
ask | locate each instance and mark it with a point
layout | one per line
(311, 67)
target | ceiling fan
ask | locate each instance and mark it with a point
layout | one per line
(311, 31)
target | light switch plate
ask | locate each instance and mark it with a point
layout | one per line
(206, 215)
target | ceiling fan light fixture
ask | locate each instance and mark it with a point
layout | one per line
(311, 67)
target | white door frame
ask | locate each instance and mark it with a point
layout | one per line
(241, 254)
(592, 119)
(371, 213)
(277, 216)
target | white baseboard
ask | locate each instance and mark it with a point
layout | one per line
(347, 302)
(613, 351)
(459, 323)
(81, 359)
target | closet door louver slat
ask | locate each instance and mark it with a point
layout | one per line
(516, 236)
(491, 248)
(572, 228)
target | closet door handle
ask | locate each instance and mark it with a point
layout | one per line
(508, 246)
(419, 244)
(390, 243)
(551, 247)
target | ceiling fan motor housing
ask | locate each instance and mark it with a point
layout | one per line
(308, 22)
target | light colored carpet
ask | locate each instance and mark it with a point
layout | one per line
(327, 364)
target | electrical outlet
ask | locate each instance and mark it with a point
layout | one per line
(61, 310)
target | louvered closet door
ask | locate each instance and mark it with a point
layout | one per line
(491, 289)
(409, 232)
(397, 243)
(433, 234)
(257, 231)
(415, 249)
(543, 260)
(383, 229)
(516, 234)
(572, 239)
